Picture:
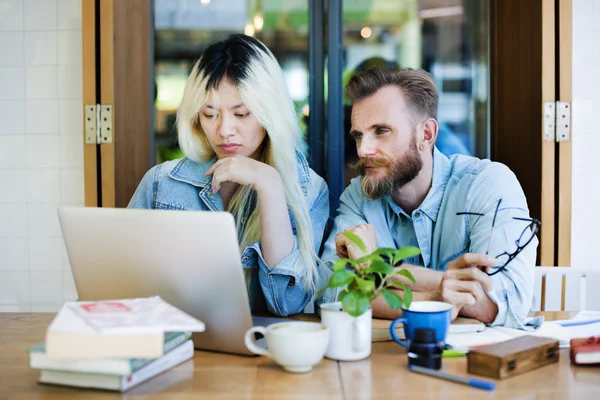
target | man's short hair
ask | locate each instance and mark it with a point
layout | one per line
(417, 86)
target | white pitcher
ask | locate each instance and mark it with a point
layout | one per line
(349, 337)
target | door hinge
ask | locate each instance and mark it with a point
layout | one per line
(98, 124)
(563, 121)
(557, 121)
(549, 120)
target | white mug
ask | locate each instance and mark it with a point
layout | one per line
(350, 337)
(296, 346)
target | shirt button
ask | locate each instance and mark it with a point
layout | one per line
(244, 259)
(417, 215)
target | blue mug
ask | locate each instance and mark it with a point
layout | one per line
(423, 314)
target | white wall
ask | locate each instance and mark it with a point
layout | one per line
(585, 225)
(41, 148)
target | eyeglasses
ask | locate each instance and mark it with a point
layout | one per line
(526, 237)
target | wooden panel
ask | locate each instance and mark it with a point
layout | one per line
(547, 232)
(107, 151)
(516, 93)
(133, 97)
(565, 150)
(88, 39)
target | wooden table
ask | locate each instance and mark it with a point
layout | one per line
(219, 376)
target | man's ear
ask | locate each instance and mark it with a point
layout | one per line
(430, 132)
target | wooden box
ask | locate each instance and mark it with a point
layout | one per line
(513, 357)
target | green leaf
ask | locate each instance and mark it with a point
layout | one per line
(407, 296)
(356, 240)
(342, 294)
(392, 299)
(365, 286)
(341, 278)
(340, 264)
(406, 252)
(406, 273)
(384, 250)
(355, 303)
(380, 267)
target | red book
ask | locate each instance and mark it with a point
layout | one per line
(585, 351)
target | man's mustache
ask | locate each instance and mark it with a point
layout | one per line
(363, 163)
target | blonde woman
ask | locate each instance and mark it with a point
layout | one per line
(237, 127)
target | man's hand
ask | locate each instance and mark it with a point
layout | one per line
(346, 248)
(464, 285)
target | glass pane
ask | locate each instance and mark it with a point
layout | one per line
(184, 28)
(449, 39)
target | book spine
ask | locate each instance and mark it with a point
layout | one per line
(172, 340)
(182, 353)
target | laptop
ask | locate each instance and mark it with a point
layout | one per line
(191, 259)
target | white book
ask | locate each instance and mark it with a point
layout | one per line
(108, 366)
(129, 328)
(116, 382)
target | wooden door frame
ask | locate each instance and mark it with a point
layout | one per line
(88, 39)
(548, 210)
(565, 51)
(526, 72)
(518, 86)
(120, 32)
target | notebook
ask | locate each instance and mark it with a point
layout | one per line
(381, 328)
(584, 325)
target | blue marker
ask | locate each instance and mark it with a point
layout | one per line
(476, 383)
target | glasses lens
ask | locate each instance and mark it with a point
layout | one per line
(526, 236)
(501, 261)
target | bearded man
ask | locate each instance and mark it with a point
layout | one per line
(469, 217)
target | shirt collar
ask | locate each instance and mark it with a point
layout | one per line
(194, 173)
(441, 174)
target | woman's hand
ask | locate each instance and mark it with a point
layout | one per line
(244, 171)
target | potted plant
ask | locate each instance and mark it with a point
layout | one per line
(359, 282)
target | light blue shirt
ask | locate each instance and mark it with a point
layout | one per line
(460, 184)
(183, 185)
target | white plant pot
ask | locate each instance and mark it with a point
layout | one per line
(349, 337)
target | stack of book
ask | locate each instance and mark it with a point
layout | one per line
(114, 345)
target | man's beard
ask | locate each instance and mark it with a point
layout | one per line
(401, 172)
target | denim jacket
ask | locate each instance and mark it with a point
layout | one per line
(459, 184)
(183, 185)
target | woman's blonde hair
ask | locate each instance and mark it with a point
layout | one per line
(254, 72)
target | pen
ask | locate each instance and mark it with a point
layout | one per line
(579, 322)
(476, 383)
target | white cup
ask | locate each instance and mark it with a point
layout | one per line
(350, 337)
(296, 346)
